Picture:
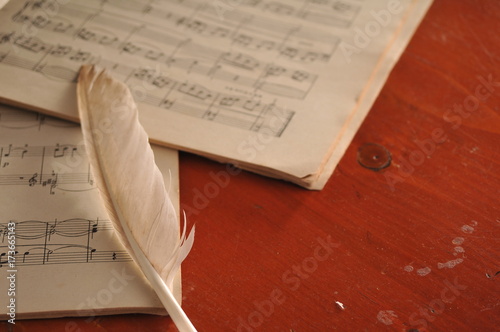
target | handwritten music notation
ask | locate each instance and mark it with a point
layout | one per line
(152, 87)
(69, 241)
(339, 13)
(91, 21)
(58, 167)
(64, 239)
(239, 80)
(62, 166)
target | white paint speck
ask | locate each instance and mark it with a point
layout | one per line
(474, 223)
(459, 249)
(386, 316)
(458, 241)
(450, 264)
(340, 305)
(423, 272)
(467, 229)
(408, 268)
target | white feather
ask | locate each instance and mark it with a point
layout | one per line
(131, 185)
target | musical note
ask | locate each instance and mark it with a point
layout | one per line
(144, 74)
(21, 18)
(107, 40)
(40, 4)
(166, 103)
(85, 34)
(195, 90)
(31, 44)
(59, 153)
(52, 181)
(40, 21)
(7, 154)
(242, 40)
(310, 57)
(300, 75)
(63, 27)
(220, 32)
(193, 25)
(228, 101)
(267, 45)
(49, 252)
(3, 259)
(61, 50)
(147, 9)
(92, 253)
(274, 70)
(192, 65)
(6, 37)
(251, 105)
(80, 56)
(342, 6)
(240, 60)
(153, 54)
(100, 37)
(162, 81)
(131, 48)
(210, 115)
(289, 52)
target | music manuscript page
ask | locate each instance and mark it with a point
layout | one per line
(57, 244)
(276, 87)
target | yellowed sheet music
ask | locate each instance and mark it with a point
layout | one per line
(55, 238)
(276, 87)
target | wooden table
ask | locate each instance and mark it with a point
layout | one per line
(412, 247)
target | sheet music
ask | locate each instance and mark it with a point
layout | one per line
(246, 81)
(64, 243)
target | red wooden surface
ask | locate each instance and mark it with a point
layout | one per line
(413, 247)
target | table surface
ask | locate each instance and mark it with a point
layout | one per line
(412, 247)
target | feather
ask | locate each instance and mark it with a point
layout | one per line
(131, 185)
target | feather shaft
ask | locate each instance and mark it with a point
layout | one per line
(164, 293)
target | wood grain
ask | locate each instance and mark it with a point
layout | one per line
(412, 247)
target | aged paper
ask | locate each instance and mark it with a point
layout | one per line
(68, 261)
(275, 87)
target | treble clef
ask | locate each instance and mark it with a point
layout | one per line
(33, 180)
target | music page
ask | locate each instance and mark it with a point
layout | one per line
(58, 249)
(276, 87)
